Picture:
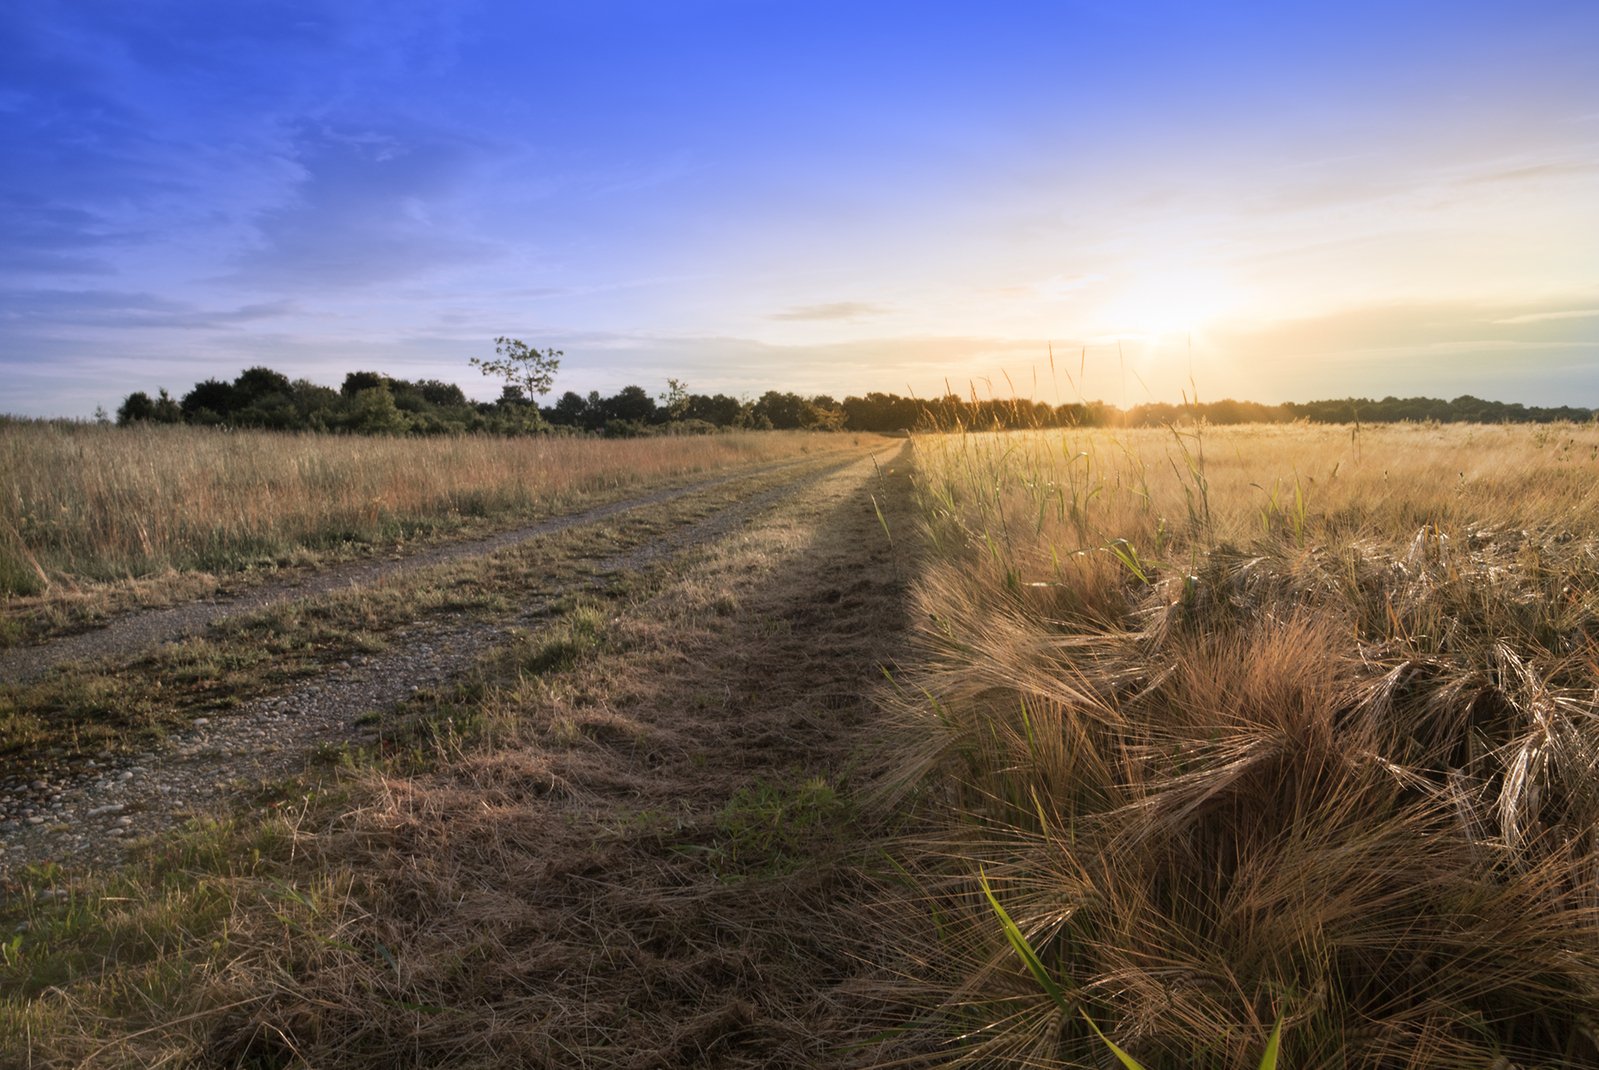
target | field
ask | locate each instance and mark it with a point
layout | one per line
(1263, 726)
(810, 750)
(95, 518)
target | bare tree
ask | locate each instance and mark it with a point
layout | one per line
(527, 371)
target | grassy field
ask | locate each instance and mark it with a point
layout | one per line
(1258, 725)
(96, 517)
(1204, 732)
(627, 836)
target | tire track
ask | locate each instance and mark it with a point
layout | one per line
(86, 816)
(139, 631)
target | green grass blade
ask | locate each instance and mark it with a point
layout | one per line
(1024, 950)
(1126, 1060)
(1268, 1061)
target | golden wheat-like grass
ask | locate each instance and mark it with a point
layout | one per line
(1264, 724)
(88, 503)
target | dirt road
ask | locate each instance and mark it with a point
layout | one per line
(135, 632)
(86, 812)
(655, 856)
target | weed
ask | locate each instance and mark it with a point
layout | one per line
(767, 829)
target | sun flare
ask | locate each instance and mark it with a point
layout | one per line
(1178, 302)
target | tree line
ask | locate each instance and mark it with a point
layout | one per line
(373, 403)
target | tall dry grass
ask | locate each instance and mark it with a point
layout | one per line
(88, 503)
(1264, 724)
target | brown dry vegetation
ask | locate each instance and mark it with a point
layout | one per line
(84, 506)
(1241, 727)
(644, 851)
(1262, 724)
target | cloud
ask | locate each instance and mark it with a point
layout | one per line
(712, 363)
(371, 206)
(50, 239)
(836, 310)
(126, 310)
(1535, 172)
(1540, 317)
(1532, 353)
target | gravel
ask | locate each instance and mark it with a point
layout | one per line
(86, 816)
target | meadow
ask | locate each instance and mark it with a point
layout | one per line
(1233, 728)
(86, 507)
(1192, 736)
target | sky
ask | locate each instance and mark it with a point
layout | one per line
(1122, 201)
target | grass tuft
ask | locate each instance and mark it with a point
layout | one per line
(1320, 752)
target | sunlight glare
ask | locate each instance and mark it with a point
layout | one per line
(1174, 303)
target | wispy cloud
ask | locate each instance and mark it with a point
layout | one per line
(833, 310)
(127, 310)
(371, 206)
(1541, 317)
(48, 239)
(1535, 172)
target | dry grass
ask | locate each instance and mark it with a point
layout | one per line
(644, 853)
(84, 707)
(87, 504)
(1264, 723)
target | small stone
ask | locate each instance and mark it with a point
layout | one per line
(39, 785)
(117, 832)
(201, 722)
(124, 822)
(126, 774)
(35, 820)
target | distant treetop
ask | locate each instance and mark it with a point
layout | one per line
(370, 402)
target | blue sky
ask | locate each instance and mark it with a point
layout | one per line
(1272, 201)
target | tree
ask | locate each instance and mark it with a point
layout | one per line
(570, 411)
(631, 403)
(782, 411)
(259, 383)
(355, 382)
(135, 407)
(527, 371)
(209, 402)
(675, 400)
(720, 410)
(166, 410)
(372, 412)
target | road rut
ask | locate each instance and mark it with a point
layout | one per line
(135, 632)
(88, 813)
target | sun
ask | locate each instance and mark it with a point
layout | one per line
(1173, 303)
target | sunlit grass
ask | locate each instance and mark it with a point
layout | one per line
(87, 511)
(1264, 725)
